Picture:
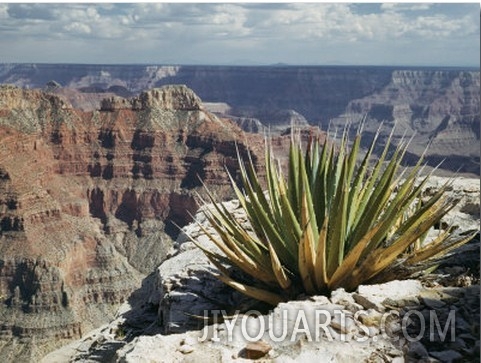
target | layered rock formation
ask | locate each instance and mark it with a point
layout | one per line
(89, 199)
(90, 78)
(441, 109)
(89, 202)
(179, 316)
(440, 104)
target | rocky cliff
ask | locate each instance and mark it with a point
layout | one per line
(376, 323)
(440, 104)
(438, 108)
(318, 93)
(88, 203)
(89, 198)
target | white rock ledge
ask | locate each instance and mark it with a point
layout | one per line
(365, 325)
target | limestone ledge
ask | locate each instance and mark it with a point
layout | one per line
(372, 323)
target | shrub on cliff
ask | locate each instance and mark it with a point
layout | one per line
(336, 220)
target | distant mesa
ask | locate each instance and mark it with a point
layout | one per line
(171, 97)
(167, 98)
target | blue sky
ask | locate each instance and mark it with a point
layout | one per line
(439, 34)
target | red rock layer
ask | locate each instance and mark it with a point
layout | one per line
(88, 200)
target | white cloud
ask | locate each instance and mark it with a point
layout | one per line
(405, 6)
(293, 21)
(4, 11)
(237, 31)
(77, 28)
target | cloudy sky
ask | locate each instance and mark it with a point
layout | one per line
(242, 33)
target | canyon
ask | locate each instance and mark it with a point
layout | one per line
(89, 202)
(101, 165)
(437, 106)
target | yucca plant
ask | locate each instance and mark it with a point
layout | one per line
(337, 220)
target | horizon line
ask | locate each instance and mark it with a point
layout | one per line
(280, 64)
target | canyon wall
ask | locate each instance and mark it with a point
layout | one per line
(89, 202)
(90, 195)
(435, 108)
(318, 93)
(440, 105)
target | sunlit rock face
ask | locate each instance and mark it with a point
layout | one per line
(89, 202)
